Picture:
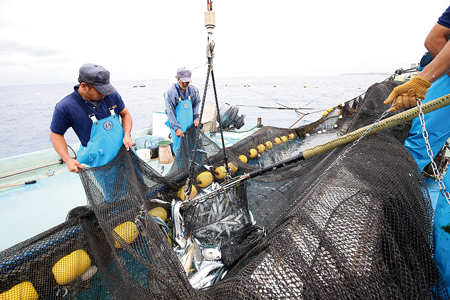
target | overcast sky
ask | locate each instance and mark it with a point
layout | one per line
(46, 41)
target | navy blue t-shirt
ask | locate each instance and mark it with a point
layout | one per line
(444, 20)
(68, 113)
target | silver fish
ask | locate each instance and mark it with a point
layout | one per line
(205, 282)
(198, 257)
(204, 271)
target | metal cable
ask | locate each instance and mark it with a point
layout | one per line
(225, 158)
(188, 185)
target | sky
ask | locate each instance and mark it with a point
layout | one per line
(46, 41)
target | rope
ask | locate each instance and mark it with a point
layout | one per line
(384, 124)
(199, 66)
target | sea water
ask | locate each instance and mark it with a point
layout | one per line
(28, 109)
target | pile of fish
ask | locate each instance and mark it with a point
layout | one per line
(202, 263)
(216, 220)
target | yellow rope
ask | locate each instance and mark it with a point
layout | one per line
(382, 125)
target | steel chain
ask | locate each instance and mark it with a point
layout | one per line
(436, 172)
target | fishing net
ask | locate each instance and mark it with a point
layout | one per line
(352, 223)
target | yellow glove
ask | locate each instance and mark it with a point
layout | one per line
(405, 94)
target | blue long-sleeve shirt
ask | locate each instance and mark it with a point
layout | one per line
(172, 96)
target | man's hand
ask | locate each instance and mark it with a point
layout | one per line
(179, 133)
(73, 165)
(405, 95)
(195, 122)
(128, 142)
(404, 101)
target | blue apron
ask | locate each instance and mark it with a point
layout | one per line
(441, 235)
(438, 128)
(105, 141)
(435, 122)
(185, 117)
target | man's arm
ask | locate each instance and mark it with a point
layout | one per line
(404, 95)
(196, 107)
(436, 44)
(171, 113)
(438, 67)
(171, 110)
(60, 145)
(127, 124)
(437, 39)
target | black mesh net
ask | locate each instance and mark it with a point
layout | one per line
(351, 223)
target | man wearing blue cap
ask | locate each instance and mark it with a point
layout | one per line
(182, 106)
(92, 111)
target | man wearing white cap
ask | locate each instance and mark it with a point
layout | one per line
(92, 111)
(182, 105)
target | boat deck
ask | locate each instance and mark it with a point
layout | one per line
(33, 208)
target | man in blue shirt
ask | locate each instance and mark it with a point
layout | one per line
(434, 82)
(182, 106)
(91, 110)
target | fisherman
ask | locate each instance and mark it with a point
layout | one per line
(182, 101)
(434, 82)
(92, 111)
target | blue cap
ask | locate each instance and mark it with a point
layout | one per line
(184, 75)
(98, 77)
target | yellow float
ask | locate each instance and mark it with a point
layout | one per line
(204, 179)
(127, 231)
(252, 153)
(24, 290)
(159, 212)
(269, 145)
(220, 172)
(261, 148)
(232, 167)
(193, 193)
(243, 158)
(291, 136)
(71, 266)
(277, 141)
(284, 139)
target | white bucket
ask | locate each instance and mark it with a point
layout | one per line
(144, 154)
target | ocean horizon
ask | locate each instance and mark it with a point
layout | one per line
(29, 108)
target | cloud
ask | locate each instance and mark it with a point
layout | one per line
(9, 47)
(143, 39)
